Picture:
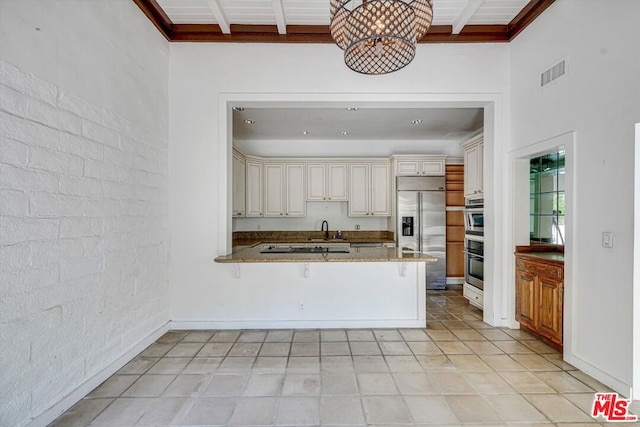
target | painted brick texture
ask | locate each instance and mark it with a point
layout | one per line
(83, 241)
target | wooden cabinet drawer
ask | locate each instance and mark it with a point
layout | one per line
(540, 268)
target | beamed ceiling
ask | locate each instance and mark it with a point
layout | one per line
(307, 21)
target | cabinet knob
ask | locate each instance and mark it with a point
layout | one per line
(329, 198)
(287, 213)
(324, 198)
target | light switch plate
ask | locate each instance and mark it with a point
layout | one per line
(607, 239)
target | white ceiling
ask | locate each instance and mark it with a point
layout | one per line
(371, 131)
(316, 12)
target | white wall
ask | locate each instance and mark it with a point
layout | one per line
(83, 198)
(335, 213)
(200, 81)
(598, 99)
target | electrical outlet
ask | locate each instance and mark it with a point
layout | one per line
(607, 239)
(357, 227)
(301, 306)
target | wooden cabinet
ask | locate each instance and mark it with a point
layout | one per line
(284, 190)
(369, 189)
(539, 296)
(415, 165)
(473, 167)
(327, 182)
(254, 188)
(238, 185)
(455, 221)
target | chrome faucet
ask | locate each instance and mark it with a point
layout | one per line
(326, 232)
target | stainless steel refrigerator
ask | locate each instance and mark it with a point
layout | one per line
(421, 215)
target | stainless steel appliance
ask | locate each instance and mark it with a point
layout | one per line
(474, 217)
(474, 261)
(421, 213)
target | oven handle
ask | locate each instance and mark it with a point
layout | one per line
(472, 254)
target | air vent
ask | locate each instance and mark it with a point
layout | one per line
(553, 73)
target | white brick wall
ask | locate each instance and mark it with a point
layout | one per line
(83, 241)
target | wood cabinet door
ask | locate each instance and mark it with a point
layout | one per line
(274, 190)
(337, 182)
(296, 202)
(254, 189)
(316, 182)
(239, 184)
(550, 300)
(526, 306)
(380, 198)
(358, 190)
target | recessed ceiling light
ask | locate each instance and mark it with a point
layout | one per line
(353, 108)
(238, 108)
(305, 132)
(249, 121)
(345, 132)
(416, 121)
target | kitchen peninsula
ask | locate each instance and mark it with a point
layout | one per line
(365, 287)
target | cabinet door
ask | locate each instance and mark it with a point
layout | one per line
(550, 318)
(480, 179)
(274, 190)
(254, 189)
(238, 185)
(380, 198)
(471, 171)
(316, 182)
(526, 306)
(337, 182)
(433, 167)
(296, 202)
(408, 168)
(358, 190)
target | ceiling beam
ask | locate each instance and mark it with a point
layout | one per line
(278, 9)
(156, 15)
(526, 16)
(221, 18)
(467, 12)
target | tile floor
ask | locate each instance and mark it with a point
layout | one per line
(458, 371)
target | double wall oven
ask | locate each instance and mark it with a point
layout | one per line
(474, 243)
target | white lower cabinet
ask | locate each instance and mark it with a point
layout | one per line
(474, 295)
(369, 189)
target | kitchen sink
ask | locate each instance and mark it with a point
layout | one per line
(305, 250)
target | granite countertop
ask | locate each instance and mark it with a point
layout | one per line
(253, 254)
(551, 253)
(549, 256)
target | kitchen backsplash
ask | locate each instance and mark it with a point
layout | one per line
(335, 213)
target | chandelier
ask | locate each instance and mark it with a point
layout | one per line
(379, 36)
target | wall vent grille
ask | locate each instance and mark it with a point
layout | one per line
(553, 73)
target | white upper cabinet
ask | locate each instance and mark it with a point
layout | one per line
(473, 167)
(296, 202)
(419, 165)
(274, 190)
(284, 190)
(254, 188)
(239, 185)
(326, 182)
(369, 189)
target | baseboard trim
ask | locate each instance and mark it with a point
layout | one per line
(91, 383)
(294, 324)
(455, 280)
(603, 377)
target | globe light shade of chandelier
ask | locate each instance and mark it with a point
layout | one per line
(379, 36)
